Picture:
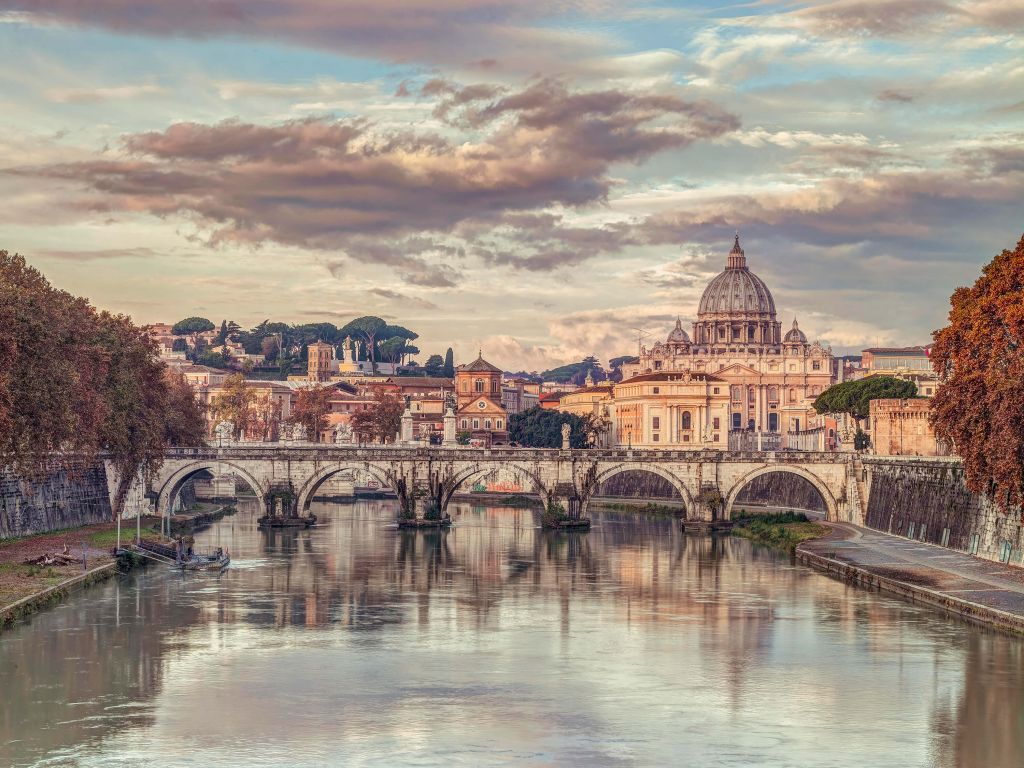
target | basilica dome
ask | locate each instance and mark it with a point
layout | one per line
(794, 335)
(737, 292)
(678, 335)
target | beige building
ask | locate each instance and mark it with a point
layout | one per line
(902, 428)
(478, 400)
(770, 378)
(670, 409)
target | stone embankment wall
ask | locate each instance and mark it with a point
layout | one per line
(927, 500)
(64, 499)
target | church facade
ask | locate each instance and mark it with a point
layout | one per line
(754, 378)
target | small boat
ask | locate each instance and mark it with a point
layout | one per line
(218, 561)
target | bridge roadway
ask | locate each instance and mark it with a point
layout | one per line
(287, 475)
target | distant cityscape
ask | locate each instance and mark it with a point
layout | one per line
(736, 381)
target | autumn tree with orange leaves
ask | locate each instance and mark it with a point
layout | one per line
(979, 357)
(76, 382)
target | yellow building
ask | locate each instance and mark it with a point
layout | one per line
(670, 409)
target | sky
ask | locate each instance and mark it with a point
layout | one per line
(539, 180)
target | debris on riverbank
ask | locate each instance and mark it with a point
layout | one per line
(38, 570)
(781, 530)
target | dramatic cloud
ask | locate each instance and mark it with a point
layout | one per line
(887, 18)
(482, 33)
(328, 184)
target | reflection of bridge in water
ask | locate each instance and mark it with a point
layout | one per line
(708, 483)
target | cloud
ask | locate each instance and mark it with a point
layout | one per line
(901, 18)
(481, 33)
(404, 299)
(111, 254)
(99, 94)
(386, 196)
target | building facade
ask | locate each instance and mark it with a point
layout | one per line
(479, 412)
(770, 378)
(903, 428)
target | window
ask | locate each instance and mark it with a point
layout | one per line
(478, 385)
(657, 390)
(686, 438)
(657, 365)
(494, 386)
(715, 438)
(656, 422)
(773, 394)
(716, 423)
(737, 394)
(499, 424)
(792, 395)
(465, 386)
(686, 420)
(476, 423)
(773, 422)
(717, 390)
(654, 437)
(737, 420)
(465, 423)
(487, 423)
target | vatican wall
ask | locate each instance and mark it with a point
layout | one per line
(927, 500)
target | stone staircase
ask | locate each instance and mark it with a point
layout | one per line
(858, 491)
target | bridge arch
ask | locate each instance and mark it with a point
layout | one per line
(170, 488)
(608, 473)
(476, 472)
(831, 505)
(318, 478)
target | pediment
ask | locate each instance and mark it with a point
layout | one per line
(489, 408)
(736, 369)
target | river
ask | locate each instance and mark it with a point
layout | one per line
(497, 644)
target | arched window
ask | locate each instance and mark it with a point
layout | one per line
(478, 385)
(773, 393)
(495, 386)
(686, 420)
(476, 423)
(465, 423)
(499, 424)
(487, 423)
(792, 395)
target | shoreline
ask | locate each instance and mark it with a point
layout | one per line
(898, 578)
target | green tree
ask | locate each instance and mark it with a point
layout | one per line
(542, 428)
(179, 345)
(576, 373)
(192, 327)
(368, 329)
(434, 365)
(449, 364)
(854, 397)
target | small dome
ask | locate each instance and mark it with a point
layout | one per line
(736, 292)
(794, 335)
(678, 335)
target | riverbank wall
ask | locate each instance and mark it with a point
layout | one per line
(52, 595)
(66, 498)
(927, 500)
(916, 593)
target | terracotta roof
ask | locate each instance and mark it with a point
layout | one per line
(480, 365)
(430, 382)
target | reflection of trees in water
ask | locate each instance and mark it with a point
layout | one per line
(102, 648)
(984, 726)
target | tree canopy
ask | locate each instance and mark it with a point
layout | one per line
(312, 404)
(75, 382)
(382, 420)
(979, 357)
(576, 373)
(854, 397)
(192, 325)
(542, 428)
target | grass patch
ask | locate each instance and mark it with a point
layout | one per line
(650, 508)
(780, 530)
(108, 539)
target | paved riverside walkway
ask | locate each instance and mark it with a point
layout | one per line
(982, 590)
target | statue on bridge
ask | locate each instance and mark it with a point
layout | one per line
(224, 431)
(343, 434)
(566, 433)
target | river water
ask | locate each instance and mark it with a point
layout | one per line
(497, 644)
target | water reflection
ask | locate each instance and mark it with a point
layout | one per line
(496, 643)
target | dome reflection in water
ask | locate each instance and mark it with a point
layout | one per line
(494, 644)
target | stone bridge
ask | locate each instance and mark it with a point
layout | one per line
(708, 482)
